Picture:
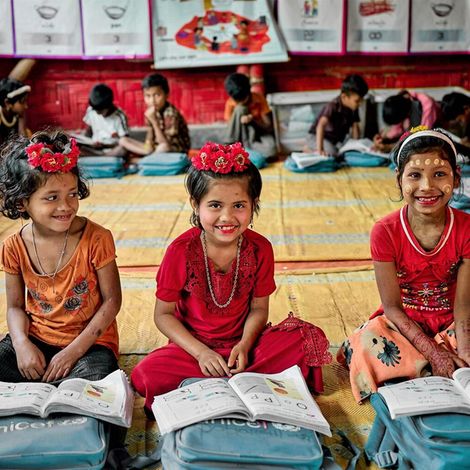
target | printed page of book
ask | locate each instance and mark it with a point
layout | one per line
(110, 399)
(204, 399)
(282, 397)
(424, 395)
(25, 397)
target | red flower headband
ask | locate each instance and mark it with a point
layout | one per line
(221, 158)
(42, 156)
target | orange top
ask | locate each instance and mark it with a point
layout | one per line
(258, 106)
(58, 319)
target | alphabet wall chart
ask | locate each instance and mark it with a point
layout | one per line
(378, 26)
(312, 26)
(109, 28)
(47, 28)
(6, 29)
(198, 33)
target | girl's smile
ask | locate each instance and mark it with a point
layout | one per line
(427, 182)
(225, 211)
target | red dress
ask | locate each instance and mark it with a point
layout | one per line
(377, 351)
(182, 279)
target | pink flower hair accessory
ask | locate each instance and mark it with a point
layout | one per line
(42, 156)
(221, 158)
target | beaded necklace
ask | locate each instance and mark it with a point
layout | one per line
(4, 119)
(208, 274)
(61, 256)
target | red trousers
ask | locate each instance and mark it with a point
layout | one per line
(292, 342)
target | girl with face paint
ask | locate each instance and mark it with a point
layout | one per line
(421, 256)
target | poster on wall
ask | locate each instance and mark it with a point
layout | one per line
(440, 26)
(47, 28)
(6, 29)
(117, 29)
(312, 26)
(378, 26)
(194, 33)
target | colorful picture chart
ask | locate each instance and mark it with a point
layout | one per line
(120, 28)
(47, 28)
(378, 26)
(440, 26)
(312, 26)
(193, 33)
(6, 29)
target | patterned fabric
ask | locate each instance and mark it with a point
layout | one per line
(174, 126)
(340, 119)
(182, 279)
(377, 351)
(57, 319)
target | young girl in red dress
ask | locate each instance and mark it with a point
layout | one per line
(421, 257)
(213, 288)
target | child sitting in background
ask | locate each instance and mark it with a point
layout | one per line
(456, 113)
(62, 283)
(167, 130)
(213, 288)
(421, 257)
(13, 104)
(338, 118)
(248, 116)
(403, 111)
(106, 123)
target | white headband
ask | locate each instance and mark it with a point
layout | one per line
(427, 133)
(19, 91)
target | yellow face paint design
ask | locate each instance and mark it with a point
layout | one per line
(447, 188)
(427, 161)
(407, 189)
(418, 162)
(437, 161)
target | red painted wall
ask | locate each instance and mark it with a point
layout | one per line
(60, 88)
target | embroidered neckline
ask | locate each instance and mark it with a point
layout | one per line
(442, 241)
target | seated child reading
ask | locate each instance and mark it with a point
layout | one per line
(421, 257)
(404, 111)
(213, 288)
(13, 104)
(106, 123)
(62, 283)
(338, 118)
(167, 130)
(248, 116)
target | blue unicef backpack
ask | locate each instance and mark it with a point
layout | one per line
(62, 441)
(438, 441)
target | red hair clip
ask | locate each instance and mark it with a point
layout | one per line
(221, 158)
(42, 156)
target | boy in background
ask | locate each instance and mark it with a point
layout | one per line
(106, 123)
(248, 116)
(338, 118)
(167, 130)
(456, 114)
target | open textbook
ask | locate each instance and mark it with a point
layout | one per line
(427, 395)
(110, 399)
(304, 160)
(282, 397)
(363, 146)
(82, 139)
